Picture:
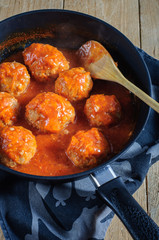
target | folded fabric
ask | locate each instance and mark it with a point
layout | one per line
(72, 211)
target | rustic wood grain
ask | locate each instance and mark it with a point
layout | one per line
(11, 7)
(150, 43)
(153, 192)
(124, 15)
(1, 235)
(150, 26)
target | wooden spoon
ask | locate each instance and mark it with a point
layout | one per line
(97, 60)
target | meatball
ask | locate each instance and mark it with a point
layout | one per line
(74, 84)
(44, 61)
(88, 148)
(49, 112)
(9, 107)
(102, 110)
(17, 145)
(14, 78)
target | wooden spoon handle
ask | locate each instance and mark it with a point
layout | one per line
(106, 69)
(109, 71)
(140, 94)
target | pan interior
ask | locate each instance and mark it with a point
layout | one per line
(66, 29)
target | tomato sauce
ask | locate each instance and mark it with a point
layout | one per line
(50, 158)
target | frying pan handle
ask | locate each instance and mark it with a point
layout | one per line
(136, 220)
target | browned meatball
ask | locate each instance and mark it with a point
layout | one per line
(17, 145)
(14, 78)
(50, 112)
(88, 148)
(44, 61)
(103, 110)
(74, 84)
(8, 109)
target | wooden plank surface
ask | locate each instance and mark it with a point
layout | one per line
(150, 43)
(11, 7)
(144, 30)
(149, 15)
(120, 14)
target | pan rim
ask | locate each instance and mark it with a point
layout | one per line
(83, 174)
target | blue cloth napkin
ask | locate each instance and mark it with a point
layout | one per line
(72, 211)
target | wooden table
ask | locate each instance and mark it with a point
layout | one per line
(139, 21)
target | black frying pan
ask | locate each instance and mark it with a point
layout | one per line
(70, 30)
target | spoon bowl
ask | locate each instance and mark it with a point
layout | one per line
(98, 61)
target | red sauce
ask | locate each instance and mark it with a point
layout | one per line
(50, 158)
